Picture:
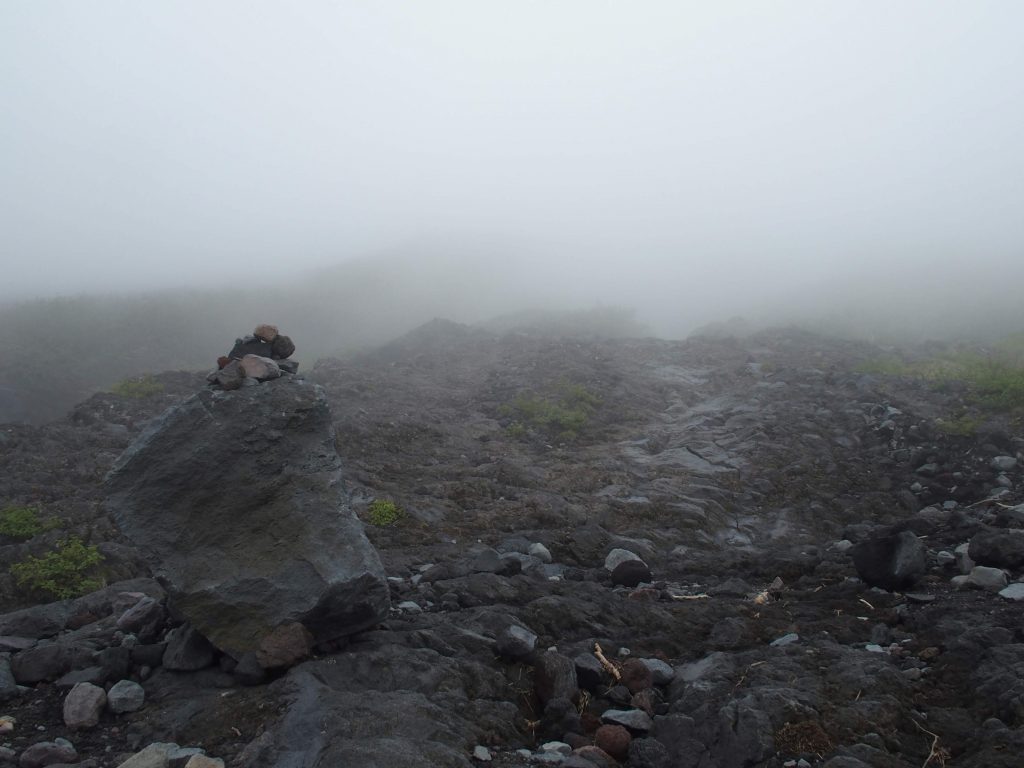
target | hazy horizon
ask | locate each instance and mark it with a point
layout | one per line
(719, 158)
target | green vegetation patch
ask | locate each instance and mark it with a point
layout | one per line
(67, 571)
(994, 380)
(21, 522)
(383, 513)
(562, 415)
(964, 425)
(138, 387)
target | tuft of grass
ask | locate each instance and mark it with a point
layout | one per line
(563, 415)
(67, 571)
(138, 387)
(383, 513)
(22, 523)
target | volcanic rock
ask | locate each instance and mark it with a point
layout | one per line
(83, 706)
(282, 348)
(125, 696)
(250, 345)
(890, 562)
(998, 549)
(259, 368)
(630, 573)
(45, 753)
(613, 739)
(554, 677)
(187, 650)
(236, 501)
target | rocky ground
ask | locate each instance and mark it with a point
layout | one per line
(740, 481)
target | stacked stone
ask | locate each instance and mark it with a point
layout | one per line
(261, 356)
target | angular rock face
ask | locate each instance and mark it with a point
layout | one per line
(236, 500)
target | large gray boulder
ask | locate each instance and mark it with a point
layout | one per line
(236, 500)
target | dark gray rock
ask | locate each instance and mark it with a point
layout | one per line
(187, 650)
(618, 556)
(45, 753)
(648, 753)
(229, 377)
(554, 677)
(636, 720)
(13, 643)
(236, 500)
(37, 622)
(94, 675)
(115, 662)
(515, 642)
(589, 672)
(487, 560)
(890, 562)
(998, 549)
(8, 685)
(144, 619)
(630, 573)
(48, 661)
(125, 696)
(282, 348)
(661, 672)
(148, 655)
(288, 366)
(250, 345)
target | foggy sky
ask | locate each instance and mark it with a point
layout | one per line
(703, 153)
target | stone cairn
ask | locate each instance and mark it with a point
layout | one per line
(260, 357)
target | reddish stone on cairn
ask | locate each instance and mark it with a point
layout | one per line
(613, 739)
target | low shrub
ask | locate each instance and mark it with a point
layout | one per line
(21, 522)
(383, 513)
(562, 415)
(67, 571)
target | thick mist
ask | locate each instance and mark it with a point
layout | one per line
(858, 162)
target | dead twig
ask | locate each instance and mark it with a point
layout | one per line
(744, 675)
(869, 605)
(610, 668)
(701, 596)
(936, 753)
(989, 501)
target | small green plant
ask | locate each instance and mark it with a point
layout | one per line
(383, 513)
(563, 415)
(963, 426)
(61, 573)
(21, 522)
(994, 381)
(138, 387)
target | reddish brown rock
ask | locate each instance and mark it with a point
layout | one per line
(613, 739)
(595, 755)
(636, 676)
(644, 700)
(285, 646)
(222, 361)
